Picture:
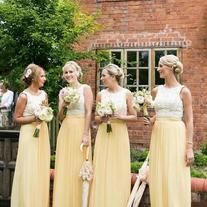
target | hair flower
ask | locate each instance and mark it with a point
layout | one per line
(28, 73)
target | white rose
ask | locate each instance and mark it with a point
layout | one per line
(139, 99)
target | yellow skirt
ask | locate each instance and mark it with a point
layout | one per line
(169, 177)
(69, 159)
(32, 172)
(112, 179)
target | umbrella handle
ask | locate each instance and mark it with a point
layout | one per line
(87, 150)
(87, 153)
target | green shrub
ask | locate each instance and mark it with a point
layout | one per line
(204, 149)
(200, 159)
(198, 172)
(135, 166)
(52, 161)
(138, 155)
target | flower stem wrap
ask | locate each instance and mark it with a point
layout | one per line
(108, 127)
(37, 131)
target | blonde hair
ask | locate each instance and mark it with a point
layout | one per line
(75, 67)
(30, 73)
(115, 70)
(173, 62)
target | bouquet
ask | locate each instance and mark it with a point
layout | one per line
(70, 95)
(44, 113)
(106, 110)
(142, 100)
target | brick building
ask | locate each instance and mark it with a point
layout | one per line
(136, 33)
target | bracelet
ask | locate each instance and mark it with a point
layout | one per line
(190, 142)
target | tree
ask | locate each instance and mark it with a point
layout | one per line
(42, 32)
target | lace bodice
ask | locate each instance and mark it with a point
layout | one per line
(168, 103)
(118, 99)
(32, 102)
(79, 107)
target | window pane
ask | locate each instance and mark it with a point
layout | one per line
(172, 52)
(132, 88)
(131, 58)
(131, 77)
(158, 55)
(101, 87)
(99, 72)
(116, 57)
(143, 58)
(158, 80)
(143, 77)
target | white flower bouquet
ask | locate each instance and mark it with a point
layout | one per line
(70, 95)
(142, 100)
(106, 110)
(43, 113)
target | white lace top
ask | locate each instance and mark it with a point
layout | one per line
(117, 98)
(33, 101)
(168, 103)
(79, 107)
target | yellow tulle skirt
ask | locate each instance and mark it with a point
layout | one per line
(32, 172)
(112, 179)
(169, 177)
(69, 159)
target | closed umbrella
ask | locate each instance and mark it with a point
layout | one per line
(86, 173)
(139, 186)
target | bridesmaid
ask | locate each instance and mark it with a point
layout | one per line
(112, 178)
(171, 151)
(73, 132)
(31, 177)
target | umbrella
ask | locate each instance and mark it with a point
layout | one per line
(139, 194)
(139, 186)
(86, 173)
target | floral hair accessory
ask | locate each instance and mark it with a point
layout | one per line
(28, 73)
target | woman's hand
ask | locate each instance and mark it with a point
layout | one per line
(119, 116)
(64, 105)
(105, 119)
(189, 156)
(149, 120)
(85, 140)
(37, 120)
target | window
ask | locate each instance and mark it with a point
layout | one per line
(139, 65)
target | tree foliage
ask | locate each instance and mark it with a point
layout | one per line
(42, 32)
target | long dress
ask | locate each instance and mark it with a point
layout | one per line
(69, 158)
(169, 177)
(111, 183)
(32, 172)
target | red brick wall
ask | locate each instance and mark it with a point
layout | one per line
(157, 23)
